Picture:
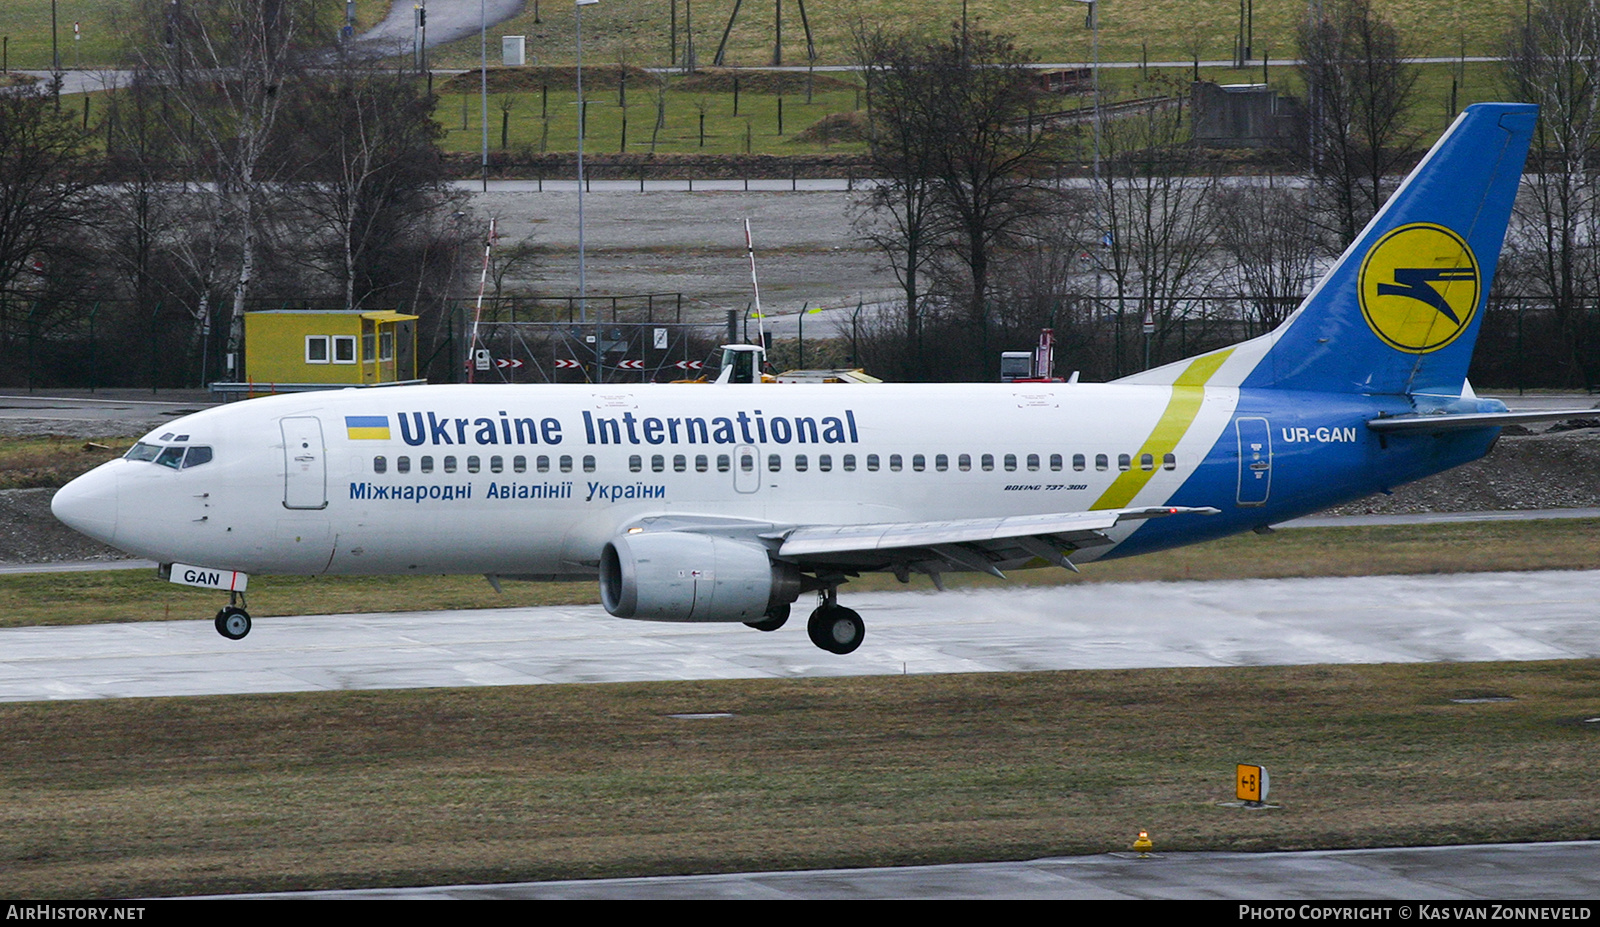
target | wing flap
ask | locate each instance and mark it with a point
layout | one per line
(959, 540)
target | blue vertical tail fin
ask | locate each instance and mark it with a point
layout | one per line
(1399, 312)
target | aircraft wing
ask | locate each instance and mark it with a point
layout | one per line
(980, 544)
(1440, 423)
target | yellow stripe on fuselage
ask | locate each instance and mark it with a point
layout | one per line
(1188, 392)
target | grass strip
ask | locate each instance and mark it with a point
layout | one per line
(387, 788)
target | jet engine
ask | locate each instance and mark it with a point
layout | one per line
(682, 576)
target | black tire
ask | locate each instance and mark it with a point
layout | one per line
(773, 620)
(836, 629)
(233, 623)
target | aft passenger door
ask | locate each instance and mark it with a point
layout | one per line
(305, 469)
(1255, 460)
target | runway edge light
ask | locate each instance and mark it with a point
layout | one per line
(1142, 843)
(1251, 784)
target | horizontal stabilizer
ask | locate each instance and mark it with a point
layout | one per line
(1441, 423)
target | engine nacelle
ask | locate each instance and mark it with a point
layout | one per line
(682, 576)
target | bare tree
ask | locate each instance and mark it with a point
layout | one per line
(1361, 87)
(44, 181)
(1272, 244)
(368, 175)
(224, 63)
(1156, 205)
(898, 215)
(1553, 59)
(949, 133)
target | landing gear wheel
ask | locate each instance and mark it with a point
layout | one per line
(773, 620)
(233, 622)
(836, 629)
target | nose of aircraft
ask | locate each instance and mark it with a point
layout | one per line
(88, 504)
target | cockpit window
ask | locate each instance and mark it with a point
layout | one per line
(143, 451)
(177, 457)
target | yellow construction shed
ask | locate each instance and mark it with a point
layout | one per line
(329, 346)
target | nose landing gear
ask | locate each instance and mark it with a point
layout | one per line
(233, 622)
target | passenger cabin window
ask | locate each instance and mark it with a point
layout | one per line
(1147, 462)
(1101, 462)
(635, 463)
(987, 461)
(1124, 462)
(964, 462)
(872, 461)
(1077, 462)
(1011, 461)
(497, 464)
(403, 464)
(774, 462)
(800, 462)
(919, 462)
(427, 465)
(566, 463)
(850, 462)
(472, 464)
(588, 463)
(449, 465)
(824, 462)
(894, 462)
(1033, 461)
(379, 465)
(1169, 461)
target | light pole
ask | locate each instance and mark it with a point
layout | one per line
(1094, 78)
(583, 282)
(483, 82)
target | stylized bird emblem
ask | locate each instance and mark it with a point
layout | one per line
(1414, 282)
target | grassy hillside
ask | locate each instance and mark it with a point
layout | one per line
(638, 31)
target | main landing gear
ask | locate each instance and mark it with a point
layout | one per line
(832, 627)
(835, 628)
(233, 622)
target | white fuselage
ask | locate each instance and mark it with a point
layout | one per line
(521, 480)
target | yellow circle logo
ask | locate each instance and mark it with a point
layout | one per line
(1419, 287)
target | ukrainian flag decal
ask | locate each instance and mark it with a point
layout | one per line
(367, 427)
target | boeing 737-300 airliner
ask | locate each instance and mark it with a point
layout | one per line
(729, 502)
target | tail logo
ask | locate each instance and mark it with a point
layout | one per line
(1419, 287)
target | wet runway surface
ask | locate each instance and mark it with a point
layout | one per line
(1478, 616)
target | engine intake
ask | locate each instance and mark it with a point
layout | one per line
(682, 576)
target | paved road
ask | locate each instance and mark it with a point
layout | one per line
(1559, 872)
